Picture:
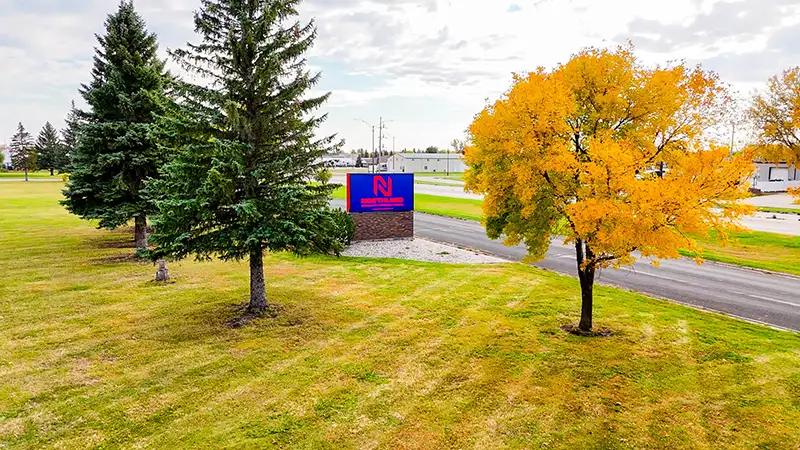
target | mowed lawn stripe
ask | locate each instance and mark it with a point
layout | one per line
(366, 353)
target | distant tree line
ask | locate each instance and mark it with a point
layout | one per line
(456, 147)
(50, 151)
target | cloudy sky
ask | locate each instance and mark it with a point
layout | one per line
(426, 66)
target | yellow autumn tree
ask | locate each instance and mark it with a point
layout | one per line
(776, 116)
(610, 154)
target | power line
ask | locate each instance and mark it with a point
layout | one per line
(376, 156)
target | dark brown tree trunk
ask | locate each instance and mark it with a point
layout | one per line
(26, 174)
(51, 172)
(586, 273)
(140, 232)
(258, 290)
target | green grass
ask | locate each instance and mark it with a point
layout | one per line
(756, 249)
(434, 183)
(39, 174)
(455, 176)
(365, 354)
(462, 208)
(771, 209)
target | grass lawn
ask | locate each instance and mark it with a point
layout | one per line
(455, 176)
(366, 354)
(433, 183)
(462, 208)
(759, 250)
(39, 174)
(771, 209)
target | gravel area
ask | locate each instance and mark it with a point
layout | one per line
(418, 250)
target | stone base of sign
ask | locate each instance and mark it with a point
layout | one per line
(375, 226)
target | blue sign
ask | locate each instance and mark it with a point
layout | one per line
(368, 192)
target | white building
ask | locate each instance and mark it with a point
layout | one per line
(775, 177)
(340, 160)
(426, 162)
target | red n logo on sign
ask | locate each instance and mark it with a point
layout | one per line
(383, 185)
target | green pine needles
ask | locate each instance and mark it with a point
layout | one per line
(246, 177)
(23, 151)
(69, 136)
(118, 151)
(50, 152)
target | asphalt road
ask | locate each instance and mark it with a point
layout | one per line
(753, 295)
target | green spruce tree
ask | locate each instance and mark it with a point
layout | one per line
(69, 137)
(49, 150)
(117, 152)
(23, 152)
(242, 183)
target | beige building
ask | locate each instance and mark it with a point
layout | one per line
(426, 162)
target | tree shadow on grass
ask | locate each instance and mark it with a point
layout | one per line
(244, 316)
(219, 317)
(121, 258)
(108, 239)
(574, 330)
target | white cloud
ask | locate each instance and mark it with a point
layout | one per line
(410, 60)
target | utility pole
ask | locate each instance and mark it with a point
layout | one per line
(372, 127)
(380, 136)
(380, 143)
(375, 157)
(381, 127)
(447, 161)
(458, 146)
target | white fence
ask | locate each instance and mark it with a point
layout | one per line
(775, 186)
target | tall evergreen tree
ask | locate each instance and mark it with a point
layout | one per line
(69, 137)
(23, 152)
(117, 152)
(241, 184)
(49, 150)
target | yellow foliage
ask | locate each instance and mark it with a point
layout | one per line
(776, 115)
(795, 192)
(578, 145)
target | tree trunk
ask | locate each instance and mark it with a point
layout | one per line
(51, 172)
(258, 290)
(587, 284)
(586, 276)
(140, 233)
(26, 174)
